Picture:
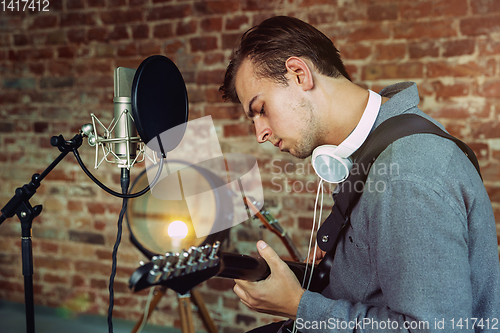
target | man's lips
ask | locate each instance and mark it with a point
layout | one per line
(279, 144)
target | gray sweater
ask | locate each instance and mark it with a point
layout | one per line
(421, 253)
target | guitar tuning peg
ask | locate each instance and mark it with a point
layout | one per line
(156, 272)
(141, 263)
(213, 258)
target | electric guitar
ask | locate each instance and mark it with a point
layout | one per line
(183, 271)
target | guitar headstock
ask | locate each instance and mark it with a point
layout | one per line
(178, 271)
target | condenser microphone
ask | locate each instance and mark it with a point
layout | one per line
(150, 105)
(124, 131)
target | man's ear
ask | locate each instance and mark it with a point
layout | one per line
(299, 71)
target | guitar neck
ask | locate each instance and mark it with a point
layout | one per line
(183, 271)
(243, 267)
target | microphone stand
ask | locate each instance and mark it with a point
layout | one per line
(20, 206)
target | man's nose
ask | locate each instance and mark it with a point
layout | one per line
(262, 130)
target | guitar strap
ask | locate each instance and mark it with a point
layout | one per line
(347, 194)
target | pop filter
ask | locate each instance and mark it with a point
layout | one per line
(159, 102)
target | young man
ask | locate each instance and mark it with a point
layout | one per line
(419, 255)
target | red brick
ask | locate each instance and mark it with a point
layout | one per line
(310, 3)
(126, 50)
(353, 71)
(487, 130)
(393, 71)
(66, 52)
(390, 51)
(458, 47)
(51, 263)
(210, 77)
(44, 22)
(126, 301)
(213, 58)
(493, 193)
(117, 3)
(439, 69)
(49, 247)
(433, 29)
(96, 207)
(138, 3)
(239, 129)
(317, 18)
(212, 24)
(230, 41)
(121, 16)
(91, 267)
(75, 206)
(76, 35)
(450, 8)
(351, 13)
(98, 34)
(119, 32)
(76, 19)
(169, 12)
(209, 7)
(414, 10)
(98, 283)
(383, 12)
(226, 111)
(481, 151)
(488, 46)
(96, 3)
(367, 32)
(355, 51)
(186, 28)
(485, 6)
(174, 46)
(452, 90)
(490, 88)
(148, 48)
(61, 174)
(52, 278)
(203, 43)
(236, 22)
(491, 170)
(75, 4)
(480, 25)
(12, 286)
(163, 30)
(461, 110)
(140, 31)
(258, 5)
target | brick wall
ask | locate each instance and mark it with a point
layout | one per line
(56, 67)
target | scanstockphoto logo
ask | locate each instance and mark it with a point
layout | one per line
(199, 150)
(290, 177)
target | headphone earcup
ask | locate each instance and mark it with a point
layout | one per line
(330, 167)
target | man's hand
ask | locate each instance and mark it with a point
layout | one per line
(279, 294)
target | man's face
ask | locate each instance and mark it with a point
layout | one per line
(282, 114)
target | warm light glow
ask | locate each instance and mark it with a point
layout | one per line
(177, 230)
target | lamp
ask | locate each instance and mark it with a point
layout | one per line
(149, 218)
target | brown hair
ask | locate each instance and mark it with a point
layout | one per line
(272, 42)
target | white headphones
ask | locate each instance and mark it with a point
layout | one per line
(332, 163)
